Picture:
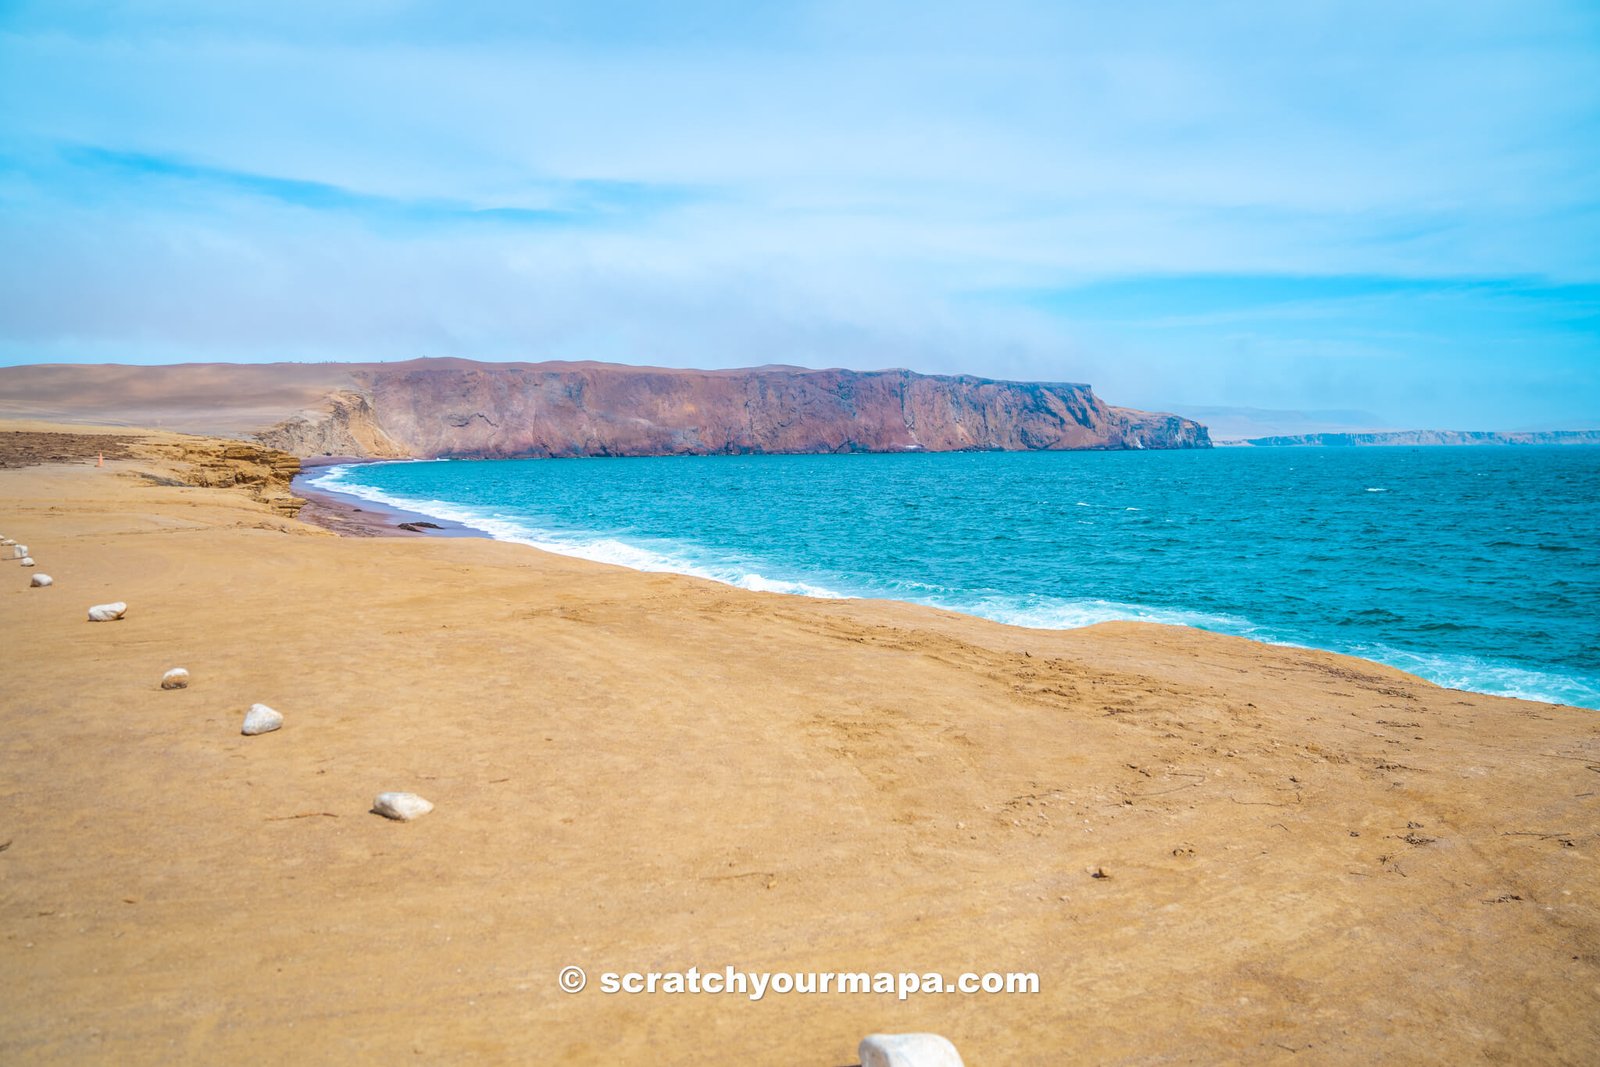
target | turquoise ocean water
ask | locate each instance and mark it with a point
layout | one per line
(1477, 568)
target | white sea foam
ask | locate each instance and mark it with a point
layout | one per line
(669, 559)
(1046, 613)
(1034, 612)
(776, 585)
(1484, 676)
(1452, 672)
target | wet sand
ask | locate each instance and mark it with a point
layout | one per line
(354, 516)
(1309, 858)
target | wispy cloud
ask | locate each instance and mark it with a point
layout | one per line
(91, 171)
(1251, 203)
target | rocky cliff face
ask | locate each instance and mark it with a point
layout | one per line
(455, 407)
(430, 408)
(342, 425)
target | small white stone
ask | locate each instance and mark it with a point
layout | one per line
(27, 561)
(907, 1050)
(107, 612)
(402, 806)
(19, 551)
(6, 542)
(42, 580)
(176, 678)
(261, 719)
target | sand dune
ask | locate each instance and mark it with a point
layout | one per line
(230, 399)
(1311, 858)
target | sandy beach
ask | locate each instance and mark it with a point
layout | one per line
(1307, 858)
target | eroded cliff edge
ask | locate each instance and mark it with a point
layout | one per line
(453, 408)
(459, 408)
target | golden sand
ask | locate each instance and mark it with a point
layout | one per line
(1310, 858)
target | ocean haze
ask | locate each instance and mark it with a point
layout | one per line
(1233, 424)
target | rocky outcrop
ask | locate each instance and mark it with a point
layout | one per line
(344, 425)
(1428, 437)
(263, 473)
(433, 408)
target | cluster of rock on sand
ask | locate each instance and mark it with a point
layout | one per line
(260, 719)
(19, 553)
(875, 1050)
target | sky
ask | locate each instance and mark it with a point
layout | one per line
(1373, 207)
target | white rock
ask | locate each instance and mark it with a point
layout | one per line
(42, 580)
(18, 551)
(907, 1050)
(7, 541)
(402, 806)
(27, 561)
(176, 678)
(261, 719)
(107, 612)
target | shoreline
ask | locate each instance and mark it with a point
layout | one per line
(354, 515)
(349, 515)
(1202, 845)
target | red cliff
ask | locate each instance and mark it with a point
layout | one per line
(452, 407)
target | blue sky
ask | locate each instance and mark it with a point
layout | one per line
(1386, 207)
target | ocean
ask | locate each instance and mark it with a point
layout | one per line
(1476, 568)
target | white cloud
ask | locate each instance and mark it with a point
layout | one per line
(856, 177)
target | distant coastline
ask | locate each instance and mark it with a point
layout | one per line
(1428, 438)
